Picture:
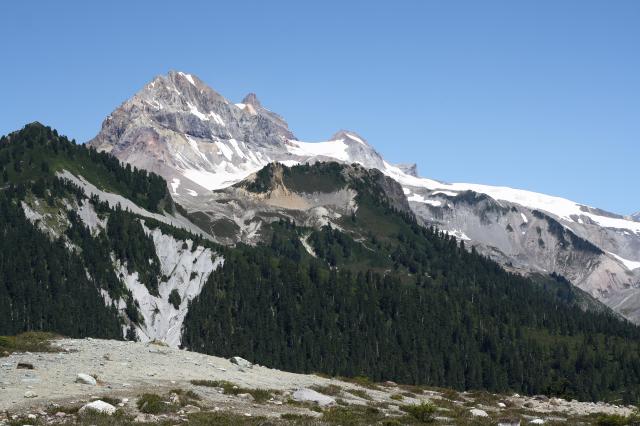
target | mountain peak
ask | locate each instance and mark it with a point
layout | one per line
(349, 135)
(252, 99)
(409, 168)
(636, 216)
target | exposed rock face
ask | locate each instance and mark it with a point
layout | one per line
(199, 141)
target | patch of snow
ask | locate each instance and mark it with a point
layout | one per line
(194, 145)
(225, 150)
(217, 118)
(175, 183)
(417, 198)
(195, 111)
(188, 77)
(447, 193)
(560, 207)
(236, 147)
(524, 218)
(289, 163)
(406, 191)
(629, 264)
(192, 192)
(223, 176)
(458, 234)
(334, 149)
(355, 138)
(241, 106)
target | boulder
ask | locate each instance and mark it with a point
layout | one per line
(537, 422)
(98, 406)
(85, 379)
(476, 412)
(309, 395)
(30, 394)
(240, 362)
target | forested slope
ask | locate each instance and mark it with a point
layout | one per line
(373, 294)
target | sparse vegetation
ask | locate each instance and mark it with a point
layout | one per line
(353, 415)
(330, 389)
(423, 412)
(32, 341)
(361, 393)
(152, 403)
(259, 395)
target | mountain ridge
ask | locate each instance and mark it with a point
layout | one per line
(199, 141)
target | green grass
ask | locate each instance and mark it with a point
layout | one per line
(31, 341)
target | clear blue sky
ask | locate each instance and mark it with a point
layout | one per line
(541, 95)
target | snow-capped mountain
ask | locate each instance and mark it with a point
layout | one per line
(636, 216)
(201, 142)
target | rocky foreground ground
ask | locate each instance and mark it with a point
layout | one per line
(93, 381)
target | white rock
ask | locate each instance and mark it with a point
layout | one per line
(85, 379)
(240, 362)
(309, 395)
(30, 394)
(99, 407)
(502, 405)
(537, 422)
(476, 412)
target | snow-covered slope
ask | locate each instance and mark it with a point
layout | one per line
(199, 141)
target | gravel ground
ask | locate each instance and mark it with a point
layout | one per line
(125, 370)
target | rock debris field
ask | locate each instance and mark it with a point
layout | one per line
(111, 376)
